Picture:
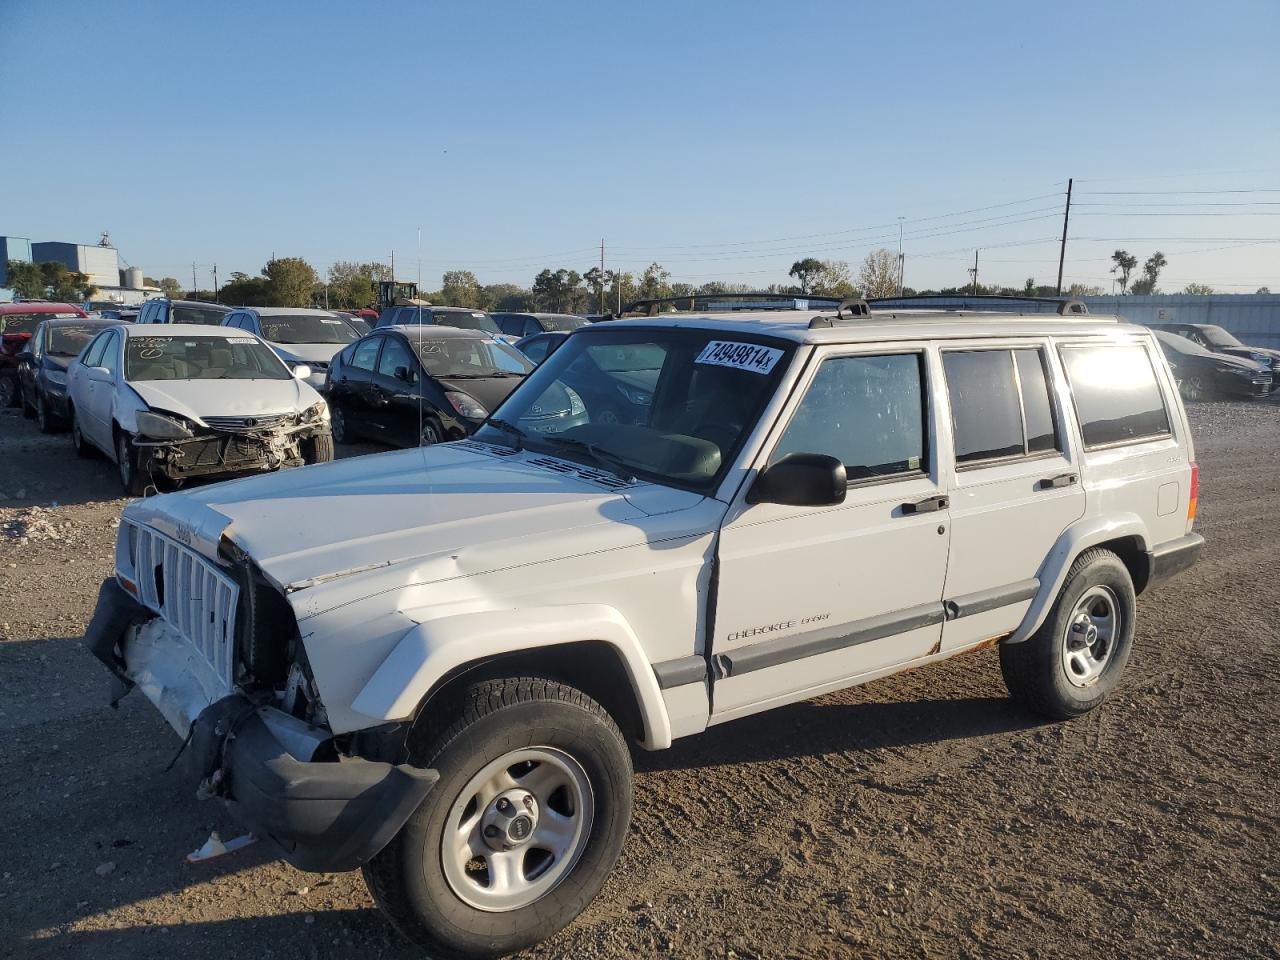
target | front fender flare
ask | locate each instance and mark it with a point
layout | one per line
(1075, 540)
(434, 648)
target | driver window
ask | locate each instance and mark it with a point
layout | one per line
(866, 411)
(394, 354)
(110, 355)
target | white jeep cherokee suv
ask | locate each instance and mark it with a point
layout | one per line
(429, 663)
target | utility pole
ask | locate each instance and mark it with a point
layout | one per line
(419, 259)
(194, 284)
(215, 284)
(602, 276)
(974, 270)
(393, 266)
(1062, 253)
(900, 257)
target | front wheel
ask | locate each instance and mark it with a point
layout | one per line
(1069, 665)
(521, 830)
(133, 480)
(319, 449)
(1194, 389)
(338, 424)
(431, 433)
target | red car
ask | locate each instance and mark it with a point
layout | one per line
(17, 322)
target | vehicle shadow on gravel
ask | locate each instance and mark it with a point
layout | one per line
(815, 728)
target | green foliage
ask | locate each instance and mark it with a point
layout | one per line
(352, 284)
(291, 281)
(878, 276)
(170, 287)
(507, 296)
(805, 271)
(1124, 264)
(48, 281)
(460, 288)
(245, 291)
(25, 278)
(558, 291)
(1150, 274)
(1263, 290)
(1198, 289)
(655, 282)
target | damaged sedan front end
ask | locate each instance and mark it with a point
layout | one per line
(193, 624)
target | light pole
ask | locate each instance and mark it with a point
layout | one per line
(900, 259)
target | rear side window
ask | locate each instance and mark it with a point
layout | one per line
(866, 411)
(1000, 405)
(93, 352)
(1116, 394)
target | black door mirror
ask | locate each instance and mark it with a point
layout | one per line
(405, 374)
(801, 480)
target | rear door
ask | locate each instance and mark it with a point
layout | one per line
(811, 598)
(350, 389)
(394, 399)
(1016, 484)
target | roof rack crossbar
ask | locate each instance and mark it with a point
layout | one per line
(1066, 305)
(649, 306)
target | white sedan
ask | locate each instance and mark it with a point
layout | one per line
(168, 403)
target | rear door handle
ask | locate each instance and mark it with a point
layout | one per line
(928, 505)
(1061, 480)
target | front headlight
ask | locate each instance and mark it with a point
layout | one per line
(466, 405)
(317, 411)
(56, 376)
(160, 427)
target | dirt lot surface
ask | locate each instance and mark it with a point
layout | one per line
(920, 815)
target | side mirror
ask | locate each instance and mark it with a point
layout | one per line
(405, 374)
(101, 374)
(24, 356)
(801, 480)
(301, 372)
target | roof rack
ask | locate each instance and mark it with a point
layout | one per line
(852, 308)
(649, 306)
(1064, 306)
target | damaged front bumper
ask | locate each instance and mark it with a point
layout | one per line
(216, 452)
(279, 776)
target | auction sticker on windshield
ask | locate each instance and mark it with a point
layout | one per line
(739, 356)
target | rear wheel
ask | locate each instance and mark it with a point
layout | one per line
(81, 446)
(8, 391)
(523, 827)
(133, 480)
(28, 407)
(1076, 658)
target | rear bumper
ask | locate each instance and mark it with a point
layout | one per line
(1173, 557)
(280, 777)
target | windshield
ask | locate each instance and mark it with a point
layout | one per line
(68, 341)
(27, 322)
(202, 358)
(207, 315)
(465, 319)
(465, 357)
(1219, 337)
(563, 322)
(306, 328)
(673, 406)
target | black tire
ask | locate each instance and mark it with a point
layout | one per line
(133, 480)
(28, 408)
(9, 391)
(338, 424)
(83, 448)
(1037, 671)
(319, 449)
(46, 419)
(491, 719)
(432, 433)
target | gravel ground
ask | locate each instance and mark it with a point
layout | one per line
(919, 815)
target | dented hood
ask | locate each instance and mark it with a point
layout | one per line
(481, 508)
(197, 399)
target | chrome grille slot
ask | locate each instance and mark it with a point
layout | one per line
(267, 421)
(191, 595)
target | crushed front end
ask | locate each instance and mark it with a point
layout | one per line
(178, 448)
(190, 622)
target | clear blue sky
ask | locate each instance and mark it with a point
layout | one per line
(695, 134)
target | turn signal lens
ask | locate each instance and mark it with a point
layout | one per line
(1195, 494)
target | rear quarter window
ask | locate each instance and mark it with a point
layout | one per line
(1116, 394)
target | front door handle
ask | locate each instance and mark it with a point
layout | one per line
(1061, 480)
(928, 505)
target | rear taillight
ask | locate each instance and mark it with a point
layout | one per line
(1195, 494)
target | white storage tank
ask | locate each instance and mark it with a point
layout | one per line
(133, 278)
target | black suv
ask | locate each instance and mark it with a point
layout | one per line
(408, 315)
(1217, 340)
(163, 310)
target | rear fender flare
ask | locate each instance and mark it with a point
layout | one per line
(1073, 541)
(435, 649)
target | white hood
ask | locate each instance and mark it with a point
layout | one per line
(455, 509)
(307, 352)
(197, 399)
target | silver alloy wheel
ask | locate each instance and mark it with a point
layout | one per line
(517, 829)
(429, 435)
(1091, 636)
(1193, 388)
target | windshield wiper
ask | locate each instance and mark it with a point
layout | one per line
(610, 461)
(510, 429)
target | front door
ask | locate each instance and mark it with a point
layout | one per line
(1016, 486)
(102, 393)
(809, 598)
